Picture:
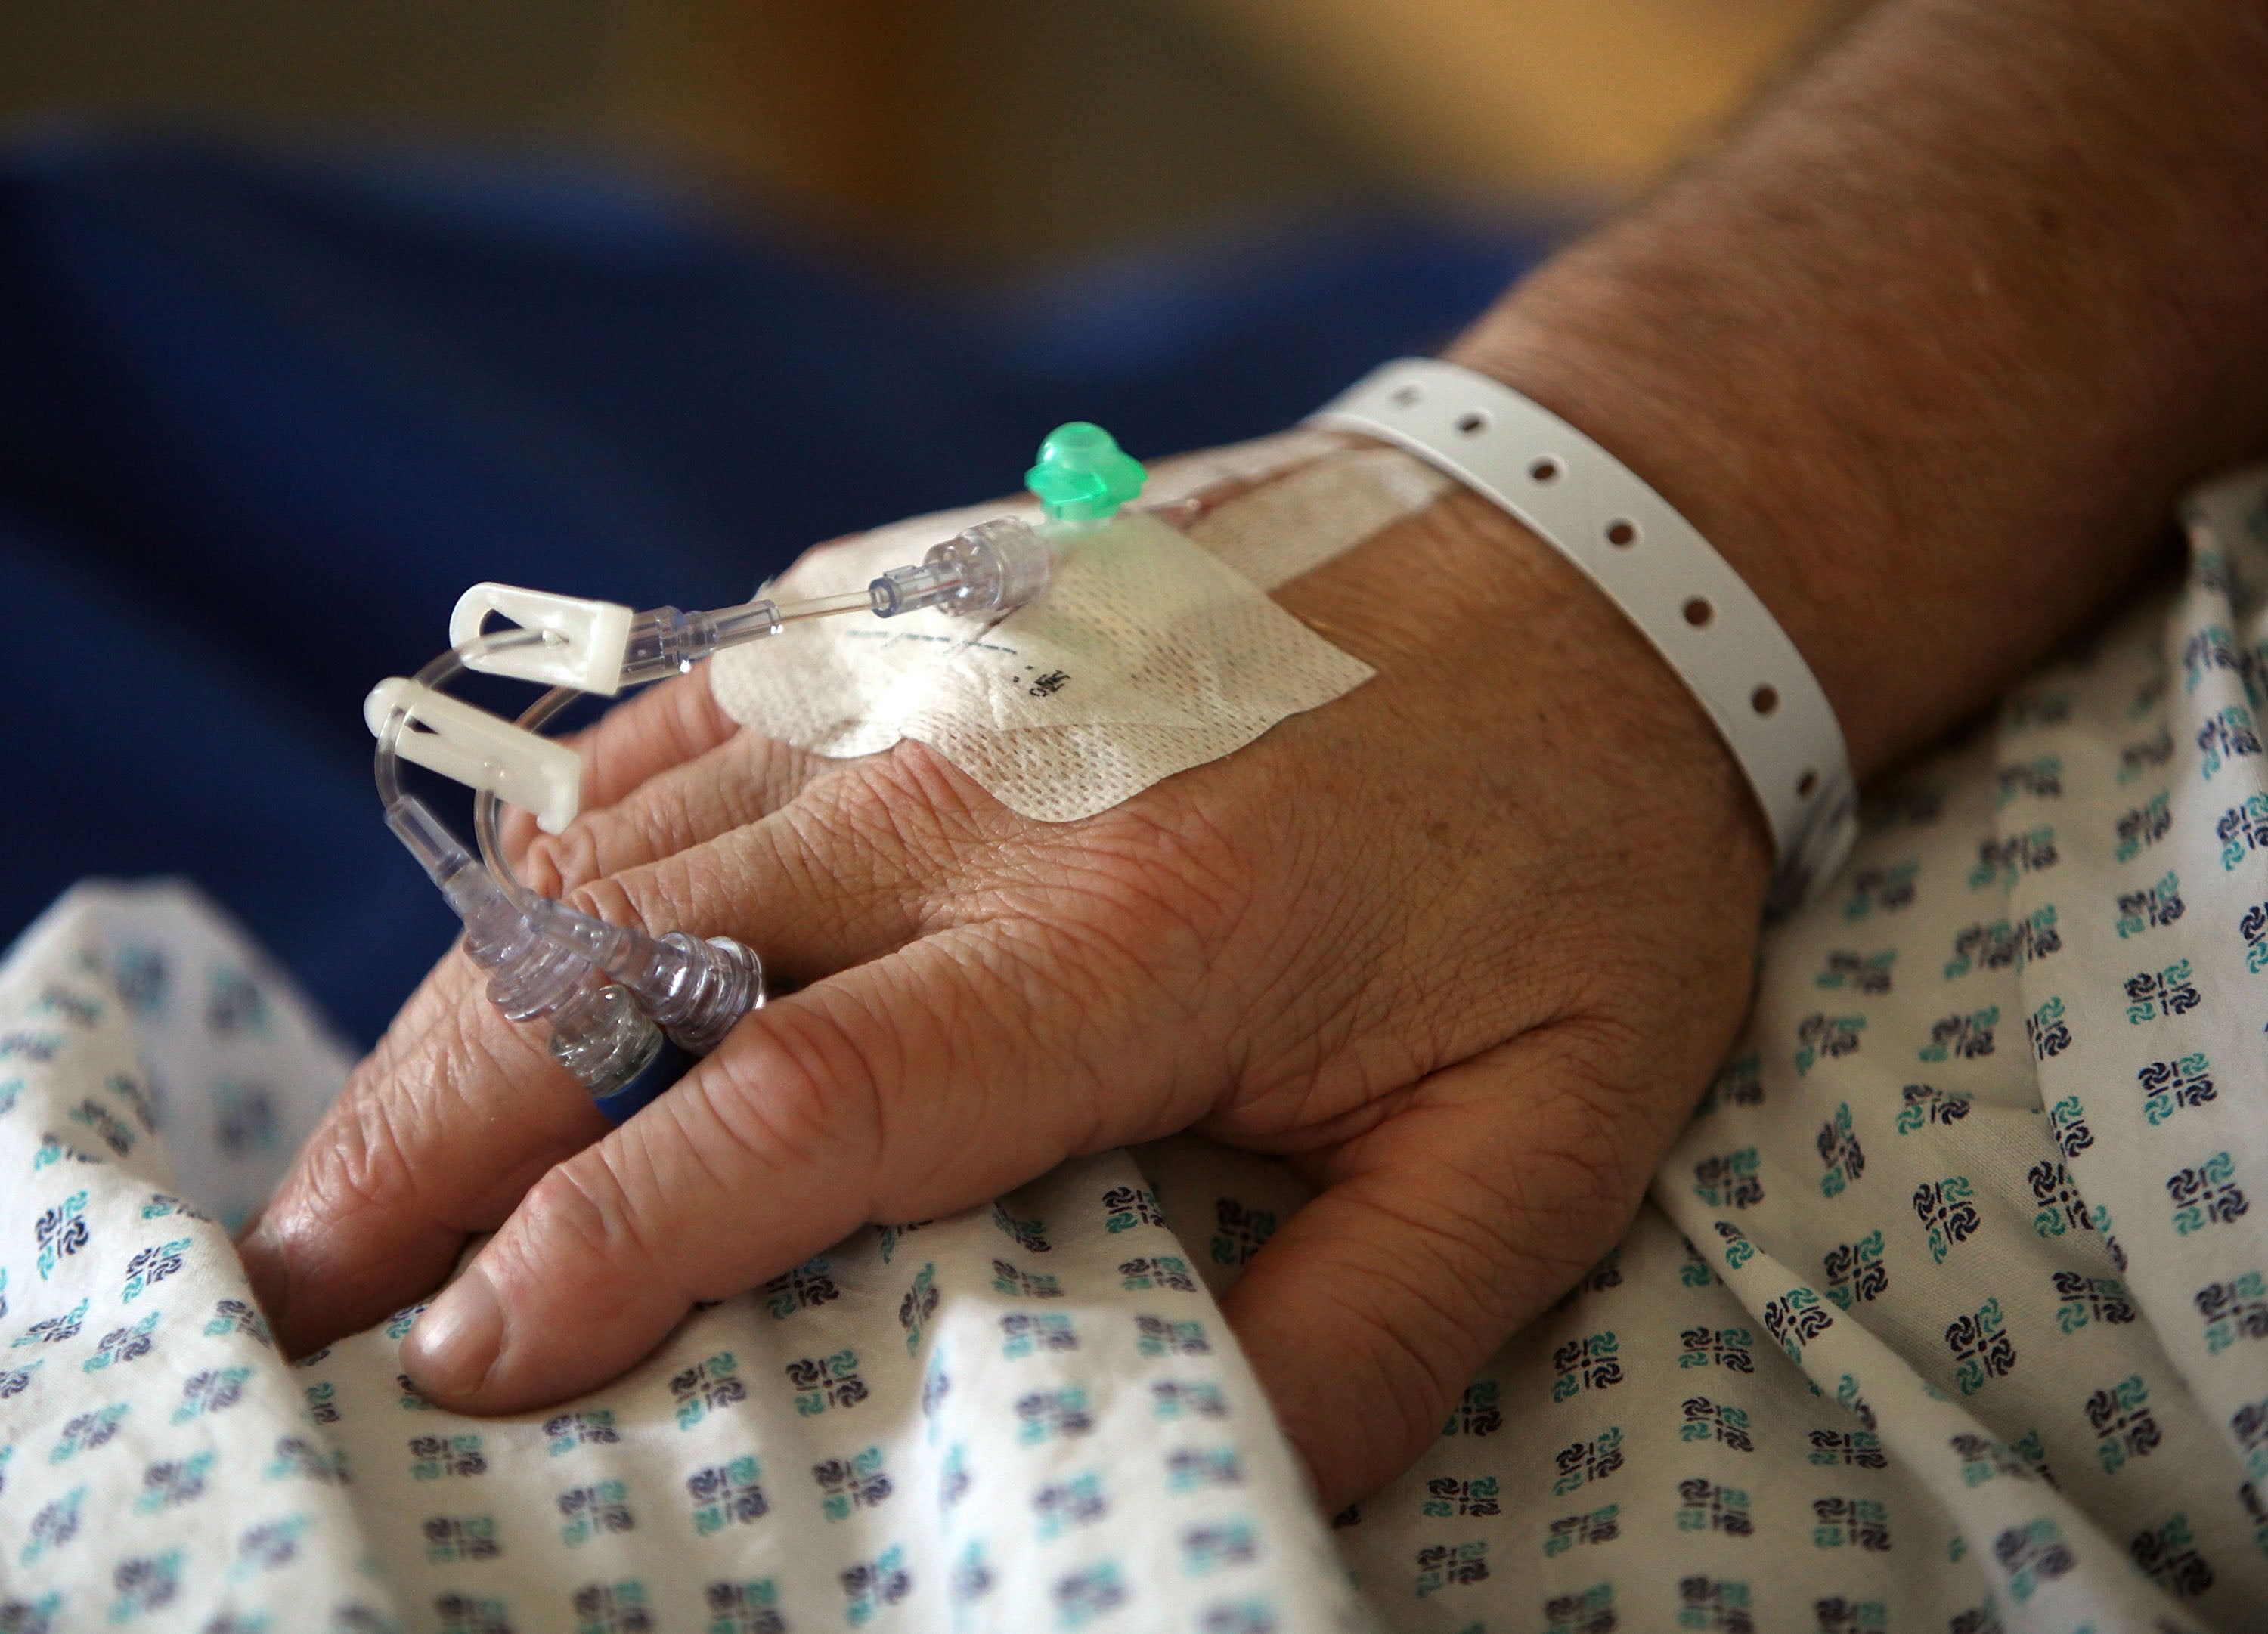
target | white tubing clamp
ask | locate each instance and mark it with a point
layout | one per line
(474, 747)
(1656, 566)
(583, 644)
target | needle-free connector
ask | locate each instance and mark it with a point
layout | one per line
(695, 990)
(665, 642)
(991, 569)
(598, 1032)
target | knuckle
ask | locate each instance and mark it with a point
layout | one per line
(571, 857)
(583, 1208)
(608, 898)
(680, 713)
(353, 1166)
(789, 1093)
(768, 773)
(697, 720)
(691, 890)
(369, 1155)
(656, 822)
(559, 859)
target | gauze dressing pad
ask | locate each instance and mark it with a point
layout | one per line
(1153, 651)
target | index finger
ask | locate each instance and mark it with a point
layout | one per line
(664, 725)
(918, 1085)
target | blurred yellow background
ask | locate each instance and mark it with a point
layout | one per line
(955, 126)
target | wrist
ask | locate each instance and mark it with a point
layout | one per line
(1686, 601)
(1785, 509)
(1517, 640)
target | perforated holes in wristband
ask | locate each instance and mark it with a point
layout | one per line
(1683, 597)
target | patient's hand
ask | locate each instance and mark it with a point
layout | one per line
(1463, 946)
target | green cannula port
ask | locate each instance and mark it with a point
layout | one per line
(1082, 476)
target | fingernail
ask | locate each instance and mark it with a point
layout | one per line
(454, 1344)
(262, 1256)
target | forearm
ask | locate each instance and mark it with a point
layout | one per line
(1929, 348)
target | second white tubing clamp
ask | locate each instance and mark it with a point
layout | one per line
(452, 736)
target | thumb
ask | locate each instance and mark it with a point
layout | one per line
(1437, 1235)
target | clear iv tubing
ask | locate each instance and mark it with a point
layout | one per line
(598, 1033)
(545, 956)
(664, 641)
(609, 991)
(696, 991)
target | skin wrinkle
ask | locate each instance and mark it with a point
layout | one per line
(584, 1209)
(1388, 1385)
(673, 813)
(1311, 1043)
(883, 1145)
(881, 876)
(739, 1099)
(1352, 1260)
(1020, 985)
(691, 725)
(462, 1053)
(930, 1177)
(1435, 1364)
(1309, 1138)
(1028, 947)
(1168, 850)
(338, 1162)
(1295, 951)
(1607, 1180)
(1160, 909)
(1093, 1131)
(817, 1058)
(720, 888)
(929, 806)
(694, 1117)
(1180, 1085)
(458, 1048)
(1396, 1339)
(1446, 1230)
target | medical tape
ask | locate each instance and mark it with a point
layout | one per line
(1153, 651)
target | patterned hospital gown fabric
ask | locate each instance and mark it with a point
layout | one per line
(1030, 1416)
(1948, 1312)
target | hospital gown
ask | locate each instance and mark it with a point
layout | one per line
(1948, 1310)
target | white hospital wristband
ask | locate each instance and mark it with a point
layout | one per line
(1656, 566)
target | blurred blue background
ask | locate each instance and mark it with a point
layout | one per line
(312, 313)
(263, 418)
